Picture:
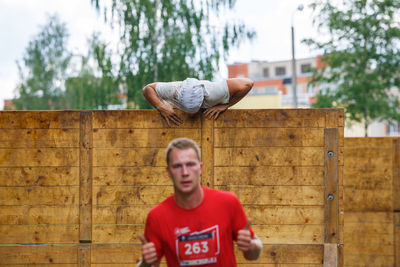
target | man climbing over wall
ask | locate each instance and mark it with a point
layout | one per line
(191, 95)
(196, 225)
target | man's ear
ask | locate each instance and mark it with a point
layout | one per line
(168, 172)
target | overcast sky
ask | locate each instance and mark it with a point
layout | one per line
(20, 20)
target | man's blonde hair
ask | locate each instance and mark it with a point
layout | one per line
(182, 144)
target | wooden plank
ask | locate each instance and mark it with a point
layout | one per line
(43, 233)
(39, 176)
(362, 142)
(129, 157)
(273, 234)
(368, 178)
(130, 176)
(372, 158)
(207, 151)
(116, 253)
(51, 157)
(265, 215)
(38, 254)
(368, 260)
(120, 214)
(368, 200)
(35, 138)
(331, 118)
(396, 175)
(85, 182)
(245, 137)
(124, 195)
(126, 119)
(312, 118)
(277, 195)
(84, 256)
(269, 156)
(269, 175)
(117, 214)
(330, 255)
(331, 186)
(39, 119)
(39, 265)
(362, 249)
(368, 217)
(123, 138)
(39, 214)
(286, 254)
(396, 237)
(34, 195)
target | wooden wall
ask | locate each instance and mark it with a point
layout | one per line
(75, 187)
(372, 202)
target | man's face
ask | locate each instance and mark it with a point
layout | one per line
(185, 169)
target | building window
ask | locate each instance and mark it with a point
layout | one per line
(266, 72)
(305, 68)
(279, 71)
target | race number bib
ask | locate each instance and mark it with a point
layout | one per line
(198, 248)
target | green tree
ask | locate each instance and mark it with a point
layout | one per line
(43, 73)
(165, 40)
(361, 56)
(96, 86)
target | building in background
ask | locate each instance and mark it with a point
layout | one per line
(273, 89)
(273, 83)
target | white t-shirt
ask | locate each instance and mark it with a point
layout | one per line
(215, 93)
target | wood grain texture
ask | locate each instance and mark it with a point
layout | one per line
(42, 214)
(277, 195)
(273, 160)
(39, 176)
(134, 138)
(130, 176)
(38, 254)
(207, 151)
(35, 195)
(141, 119)
(261, 137)
(277, 118)
(39, 119)
(331, 195)
(41, 157)
(43, 233)
(35, 138)
(269, 175)
(85, 185)
(269, 156)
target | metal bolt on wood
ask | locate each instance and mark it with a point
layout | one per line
(330, 153)
(330, 197)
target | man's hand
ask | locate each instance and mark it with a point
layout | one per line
(250, 246)
(148, 251)
(214, 111)
(169, 115)
(244, 237)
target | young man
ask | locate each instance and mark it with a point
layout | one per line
(196, 225)
(191, 94)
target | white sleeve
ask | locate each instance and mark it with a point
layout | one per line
(168, 92)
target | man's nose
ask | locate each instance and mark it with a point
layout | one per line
(184, 170)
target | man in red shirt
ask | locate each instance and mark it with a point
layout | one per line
(197, 225)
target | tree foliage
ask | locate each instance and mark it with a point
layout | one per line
(361, 57)
(165, 40)
(96, 86)
(44, 68)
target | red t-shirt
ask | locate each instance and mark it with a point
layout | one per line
(200, 236)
